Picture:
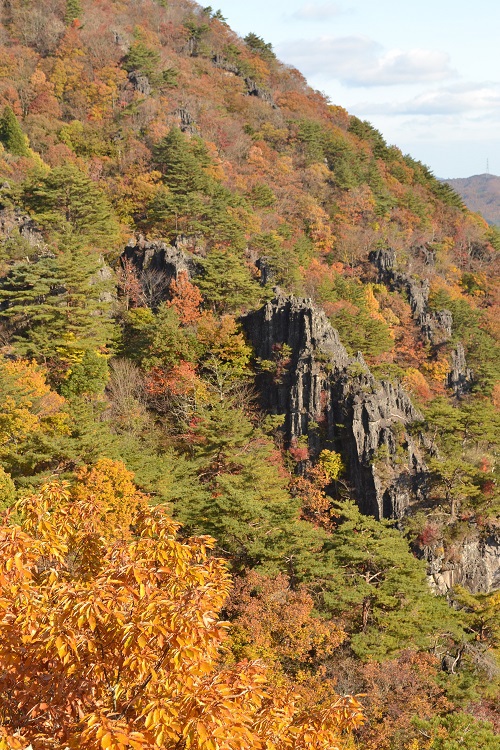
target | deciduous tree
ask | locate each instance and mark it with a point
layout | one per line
(110, 637)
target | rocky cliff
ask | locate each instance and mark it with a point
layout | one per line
(436, 326)
(334, 400)
(476, 564)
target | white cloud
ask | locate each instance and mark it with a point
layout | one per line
(362, 62)
(463, 98)
(317, 12)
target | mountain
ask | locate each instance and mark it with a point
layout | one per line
(481, 193)
(249, 371)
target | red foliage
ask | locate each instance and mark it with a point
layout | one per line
(129, 284)
(180, 380)
(429, 535)
(186, 299)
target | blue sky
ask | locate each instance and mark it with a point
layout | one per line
(426, 73)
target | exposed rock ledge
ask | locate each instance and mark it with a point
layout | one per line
(477, 569)
(335, 400)
(324, 386)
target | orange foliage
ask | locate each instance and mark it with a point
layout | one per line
(275, 622)
(179, 380)
(416, 383)
(186, 299)
(315, 504)
(29, 406)
(110, 637)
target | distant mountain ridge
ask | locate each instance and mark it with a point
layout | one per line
(481, 193)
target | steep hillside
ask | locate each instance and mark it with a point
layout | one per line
(220, 289)
(481, 193)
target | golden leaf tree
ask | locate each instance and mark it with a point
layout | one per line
(110, 635)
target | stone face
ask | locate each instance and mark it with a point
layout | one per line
(140, 82)
(322, 385)
(156, 265)
(158, 256)
(477, 569)
(436, 327)
(335, 400)
(220, 62)
(460, 377)
(253, 89)
(186, 120)
(16, 221)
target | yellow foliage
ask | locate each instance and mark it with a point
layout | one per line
(110, 635)
(332, 464)
(28, 404)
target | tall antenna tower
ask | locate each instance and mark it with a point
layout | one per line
(487, 166)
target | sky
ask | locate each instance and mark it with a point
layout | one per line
(425, 73)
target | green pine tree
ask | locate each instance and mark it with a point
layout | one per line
(54, 308)
(73, 11)
(381, 590)
(11, 134)
(245, 504)
(142, 58)
(70, 204)
(226, 283)
(183, 162)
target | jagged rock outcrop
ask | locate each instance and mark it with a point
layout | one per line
(267, 274)
(156, 265)
(334, 399)
(158, 256)
(14, 221)
(253, 89)
(460, 377)
(186, 120)
(220, 62)
(435, 326)
(140, 82)
(476, 565)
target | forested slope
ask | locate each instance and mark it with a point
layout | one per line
(481, 193)
(222, 290)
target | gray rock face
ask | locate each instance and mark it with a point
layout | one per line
(322, 385)
(158, 256)
(436, 327)
(477, 569)
(335, 400)
(140, 82)
(156, 264)
(186, 120)
(12, 221)
(460, 377)
(253, 89)
(220, 62)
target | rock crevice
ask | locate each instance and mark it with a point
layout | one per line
(435, 326)
(335, 400)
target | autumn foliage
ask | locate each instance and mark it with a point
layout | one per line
(110, 634)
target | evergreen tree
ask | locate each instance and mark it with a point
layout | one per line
(381, 589)
(68, 202)
(54, 307)
(226, 283)
(11, 134)
(142, 58)
(183, 162)
(73, 11)
(245, 504)
(88, 377)
(260, 47)
(457, 731)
